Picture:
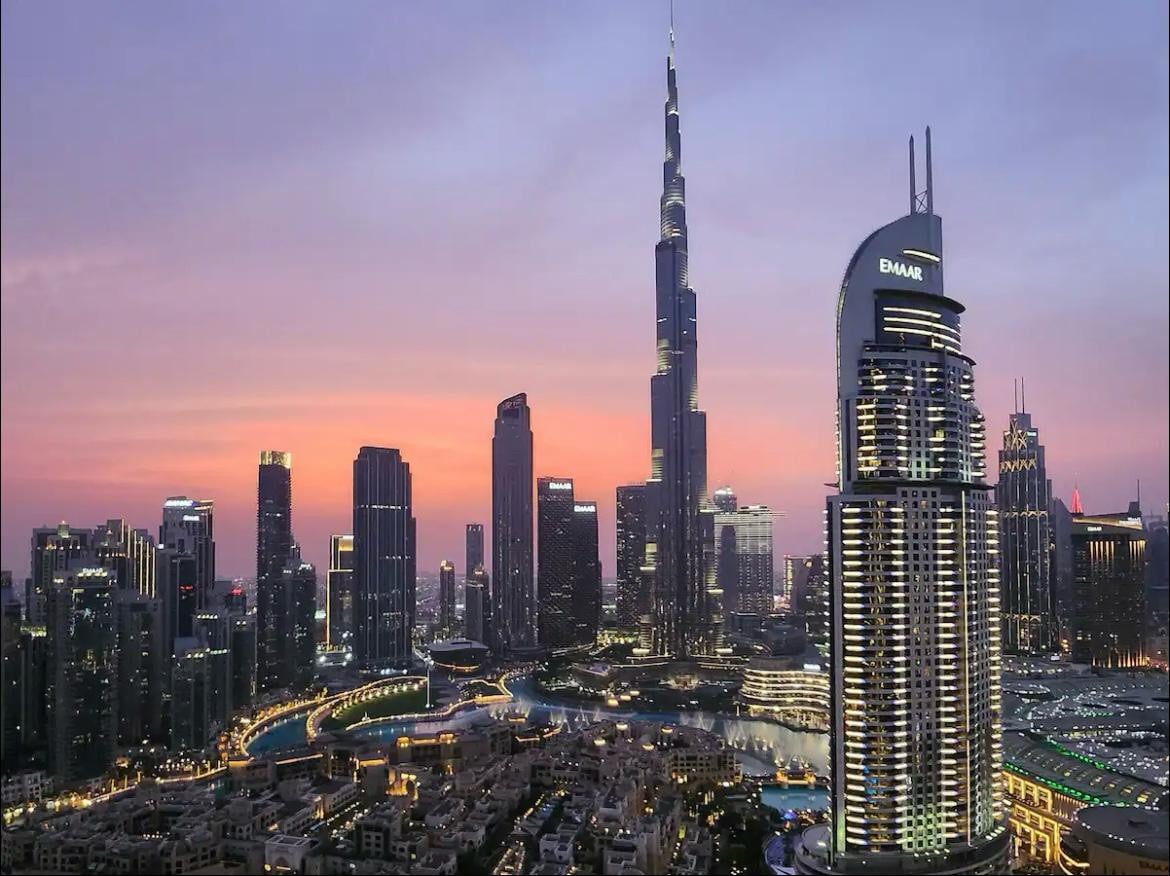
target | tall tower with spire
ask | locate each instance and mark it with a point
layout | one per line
(1026, 545)
(682, 609)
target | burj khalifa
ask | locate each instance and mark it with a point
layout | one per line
(682, 610)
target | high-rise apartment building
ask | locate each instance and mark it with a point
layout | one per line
(188, 527)
(339, 591)
(128, 553)
(477, 607)
(513, 601)
(916, 758)
(1026, 544)
(1109, 568)
(473, 558)
(82, 693)
(53, 549)
(743, 558)
(143, 666)
(684, 609)
(447, 597)
(634, 584)
(383, 558)
(274, 541)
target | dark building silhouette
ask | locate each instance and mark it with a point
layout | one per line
(273, 543)
(11, 682)
(176, 580)
(477, 607)
(555, 572)
(513, 605)
(1109, 580)
(474, 549)
(82, 672)
(383, 558)
(586, 573)
(447, 598)
(1026, 543)
(188, 527)
(143, 666)
(1060, 521)
(53, 549)
(633, 581)
(339, 590)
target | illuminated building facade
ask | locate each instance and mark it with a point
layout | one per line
(188, 526)
(1047, 784)
(1109, 568)
(916, 756)
(683, 608)
(128, 553)
(512, 597)
(447, 596)
(1112, 839)
(82, 673)
(1026, 545)
(297, 593)
(273, 542)
(383, 558)
(339, 590)
(743, 558)
(633, 583)
(793, 690)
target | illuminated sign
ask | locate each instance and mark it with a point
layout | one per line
(560, 485)
(585, 509)
(900, 269)
(191, 518)
(812, 667)
(1093, 528)
(178, 503)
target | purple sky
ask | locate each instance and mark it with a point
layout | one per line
(312, 226)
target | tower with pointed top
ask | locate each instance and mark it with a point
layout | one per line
(916, 752)
(682, 610)
(1026, 546)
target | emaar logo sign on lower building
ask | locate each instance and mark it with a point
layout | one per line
(900, 269)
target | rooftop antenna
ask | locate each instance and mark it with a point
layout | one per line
(913, 184)
(929, 176)
(672, 28)
(1023, 398)
(1015, 395)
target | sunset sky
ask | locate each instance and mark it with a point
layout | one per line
(313, 226)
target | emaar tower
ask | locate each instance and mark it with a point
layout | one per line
(916, 762)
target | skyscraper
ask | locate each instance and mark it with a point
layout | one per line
(129, 553)
(53, 549)
(143, 664)
(296, 606)
(447, 597)
(586, 573)
(82, 671)
(273, 543)
(915, 739)
(744, 560)
(1023, 496)
(188, 527)
(554, 563)
(476, 606)
(474, 549)
(339, 590)
(677, 487)
(383, 558)
(633, 585)
(1109, 568)
(513, 603)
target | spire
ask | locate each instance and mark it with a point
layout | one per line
(673, 219)
(1077, 508)
(922, 201)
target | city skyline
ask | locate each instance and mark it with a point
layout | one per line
(1050, 274)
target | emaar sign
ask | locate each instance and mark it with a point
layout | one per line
(900, 269)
